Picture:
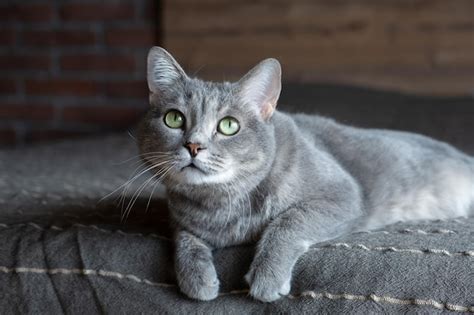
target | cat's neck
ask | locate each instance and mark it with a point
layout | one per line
(215, 193)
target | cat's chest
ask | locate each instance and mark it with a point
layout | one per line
(232, 223)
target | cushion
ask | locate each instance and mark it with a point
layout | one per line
(64, 248)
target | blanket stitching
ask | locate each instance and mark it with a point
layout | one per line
(410, 231)
(310, 294)
(152, 235)
(469, 253)
(387, 299)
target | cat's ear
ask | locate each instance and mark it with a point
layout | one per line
(261, 86)
(162, 70)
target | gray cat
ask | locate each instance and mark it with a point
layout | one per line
(238, 171)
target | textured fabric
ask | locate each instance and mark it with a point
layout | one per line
(63, 249)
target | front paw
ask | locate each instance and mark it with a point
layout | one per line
(199, 280)
(267, 283)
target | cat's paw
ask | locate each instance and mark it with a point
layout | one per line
(199, 282)
(267, 285)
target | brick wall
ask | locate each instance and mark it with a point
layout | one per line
(71, 68)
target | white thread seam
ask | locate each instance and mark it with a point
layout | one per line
(386, 300)
(152, 235)
(469, 253)
(305, 294)
(410, 231)
(444, 252)
(84, 272)
(79, 225)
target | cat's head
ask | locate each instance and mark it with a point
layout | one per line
(199, 132)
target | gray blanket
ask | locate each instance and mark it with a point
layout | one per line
(63, 250)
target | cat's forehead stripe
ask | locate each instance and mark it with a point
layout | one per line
(207, 99)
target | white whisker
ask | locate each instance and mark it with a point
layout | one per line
(160, 174)
(142, 155)
(154, 186)
(121, 186)
(127, 184)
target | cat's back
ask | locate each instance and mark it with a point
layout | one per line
(365, 151)
(397, 170)
(335, 136)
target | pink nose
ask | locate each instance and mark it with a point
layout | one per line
(193, 148)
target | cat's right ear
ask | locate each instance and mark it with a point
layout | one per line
(163, 70)
(260, 87)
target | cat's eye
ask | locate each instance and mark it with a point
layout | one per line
(228, 126)
(174, 119)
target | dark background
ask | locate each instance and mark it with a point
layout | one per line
(73, 68)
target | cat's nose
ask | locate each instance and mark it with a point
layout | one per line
(193, 148)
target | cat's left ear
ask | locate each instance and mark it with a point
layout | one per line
(163, 71)
(261, 86)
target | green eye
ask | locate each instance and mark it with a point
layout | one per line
(174, 119)
(228, 126)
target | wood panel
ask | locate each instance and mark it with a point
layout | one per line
(421, 46)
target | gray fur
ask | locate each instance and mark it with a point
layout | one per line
(284, 181)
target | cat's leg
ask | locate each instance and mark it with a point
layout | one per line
(287, 238)
(195, 272)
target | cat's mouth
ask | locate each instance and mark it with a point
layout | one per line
(192, 166)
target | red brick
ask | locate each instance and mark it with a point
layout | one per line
(7, 86)
(137, 89)
(41, 135)
(97, 11)
(22, 62)
(109, 63)
(63, 87)
(7, 37)
(7, 136)
(64, 38)
(26, 111)
(103, 115)
(39, 12)
(141, 36)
